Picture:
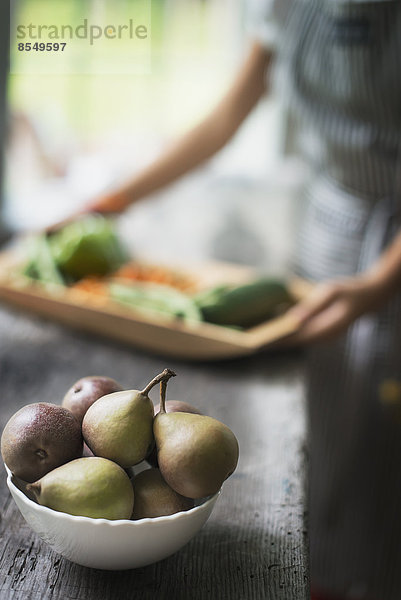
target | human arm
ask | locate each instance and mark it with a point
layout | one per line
(332, 306)
(202, 142)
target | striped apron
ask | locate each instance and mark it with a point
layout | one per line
(340, 74)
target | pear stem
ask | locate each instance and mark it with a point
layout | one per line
(163, 388)
(161, 378)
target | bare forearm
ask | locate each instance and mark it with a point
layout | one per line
(204, 140)
(387, 270)
(186, 154)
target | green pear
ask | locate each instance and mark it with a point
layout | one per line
(155, 498)
(119, 426)
(171, 406)
(195, 453)
(89, 487)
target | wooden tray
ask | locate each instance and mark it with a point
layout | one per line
(185, 340)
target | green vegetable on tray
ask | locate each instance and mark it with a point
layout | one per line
(237, 307)
(41, 264)
(88, 246)
(245, 305)
(161, 299)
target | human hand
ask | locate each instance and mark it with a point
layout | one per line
(333, 306)
(108, 204)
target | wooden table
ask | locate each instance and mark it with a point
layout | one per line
(254, 546)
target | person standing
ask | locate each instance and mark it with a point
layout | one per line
(338, 66)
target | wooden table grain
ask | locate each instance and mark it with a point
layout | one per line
(254, 546)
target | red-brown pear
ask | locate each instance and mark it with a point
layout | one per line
(86, 391)
(39, 438)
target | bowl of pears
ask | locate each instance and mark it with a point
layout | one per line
(110, 481)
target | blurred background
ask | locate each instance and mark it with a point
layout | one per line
(72, 136)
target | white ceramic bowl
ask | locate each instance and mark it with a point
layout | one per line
(112, 545)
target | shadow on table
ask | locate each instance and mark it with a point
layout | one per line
(221, 562)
